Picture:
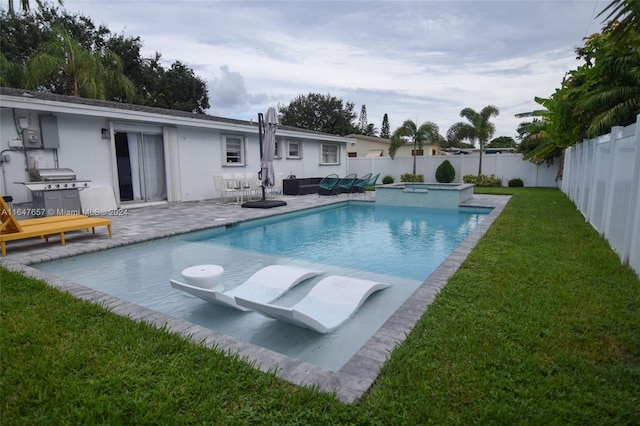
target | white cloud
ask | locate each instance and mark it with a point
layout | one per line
(423, 60)
(230, 96)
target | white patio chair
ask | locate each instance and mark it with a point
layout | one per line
(223, 187)
(232, 182)
(253, 185)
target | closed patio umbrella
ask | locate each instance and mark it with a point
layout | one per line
(267, 136)
(268, 147)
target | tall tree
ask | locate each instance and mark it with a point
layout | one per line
(11, 75)
(26, 6)
(478, 128)
(183, 90)
(64, 66)
(23, 35)
(409, 132)
(609, 80)
(20, 37)
(363, 120)
(128, 50)
(385, 131)
(502, 142)
(321, 113)
(602, 92)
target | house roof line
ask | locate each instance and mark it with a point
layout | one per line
(369, 138)
(30, 99)
(377, 139)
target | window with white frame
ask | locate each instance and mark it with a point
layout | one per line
(294, 149)
(233, 147)
(330, 154)
(277, 153)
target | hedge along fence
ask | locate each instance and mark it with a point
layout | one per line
(504, 166)
(602, 177)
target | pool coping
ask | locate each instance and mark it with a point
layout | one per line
(351, 381)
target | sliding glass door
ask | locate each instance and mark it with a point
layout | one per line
(141, 166)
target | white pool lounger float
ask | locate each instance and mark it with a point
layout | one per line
(329, 303)
(266, 285)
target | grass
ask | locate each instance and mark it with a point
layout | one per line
(541, 325)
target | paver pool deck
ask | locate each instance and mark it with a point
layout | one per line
(137, 224)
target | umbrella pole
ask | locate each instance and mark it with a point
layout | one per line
(264, 203)
(260, 138)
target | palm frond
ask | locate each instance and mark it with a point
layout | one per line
(461, 131)
(622, 114)
(544, 151)
(535, 113)
(625, 14)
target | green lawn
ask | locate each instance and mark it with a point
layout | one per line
(541, 325)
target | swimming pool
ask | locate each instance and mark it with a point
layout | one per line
(363, 240)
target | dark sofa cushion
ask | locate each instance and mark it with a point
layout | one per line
(300, 186)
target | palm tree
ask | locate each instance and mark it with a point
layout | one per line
(626, 15)
(478, 128)
(65, 67)
(409, 132)
(536, 143)
(612, 97)
(25, 6)
(370, 130)
(10, 73)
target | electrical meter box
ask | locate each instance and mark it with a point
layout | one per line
(31, 138)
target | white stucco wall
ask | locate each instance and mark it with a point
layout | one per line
(200, 154)
(14, 170)
(195, 154)
(310, 163)
(81, 149)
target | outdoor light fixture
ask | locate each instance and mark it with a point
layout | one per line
(23, 123)
(105, 134)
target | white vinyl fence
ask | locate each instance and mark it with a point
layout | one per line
(504, 166)
(602, 177)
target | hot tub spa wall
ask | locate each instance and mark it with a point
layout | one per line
(424, 195)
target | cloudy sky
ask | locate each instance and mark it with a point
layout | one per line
(418, 60)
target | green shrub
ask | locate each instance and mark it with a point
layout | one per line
(483, 180)
(387, 179)
(410, 177)
(445, 173)
(516, 183)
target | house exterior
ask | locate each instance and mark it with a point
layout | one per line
(371, 146)
(137, 154)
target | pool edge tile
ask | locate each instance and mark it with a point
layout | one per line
(349, 383)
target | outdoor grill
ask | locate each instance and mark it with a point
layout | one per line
(55, 191)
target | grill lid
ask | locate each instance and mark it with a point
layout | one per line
(48, 175)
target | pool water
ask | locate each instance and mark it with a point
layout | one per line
(399, 246)
(403, 242)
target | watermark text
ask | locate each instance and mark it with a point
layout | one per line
(31, 212)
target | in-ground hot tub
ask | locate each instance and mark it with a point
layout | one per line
(436, 195)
